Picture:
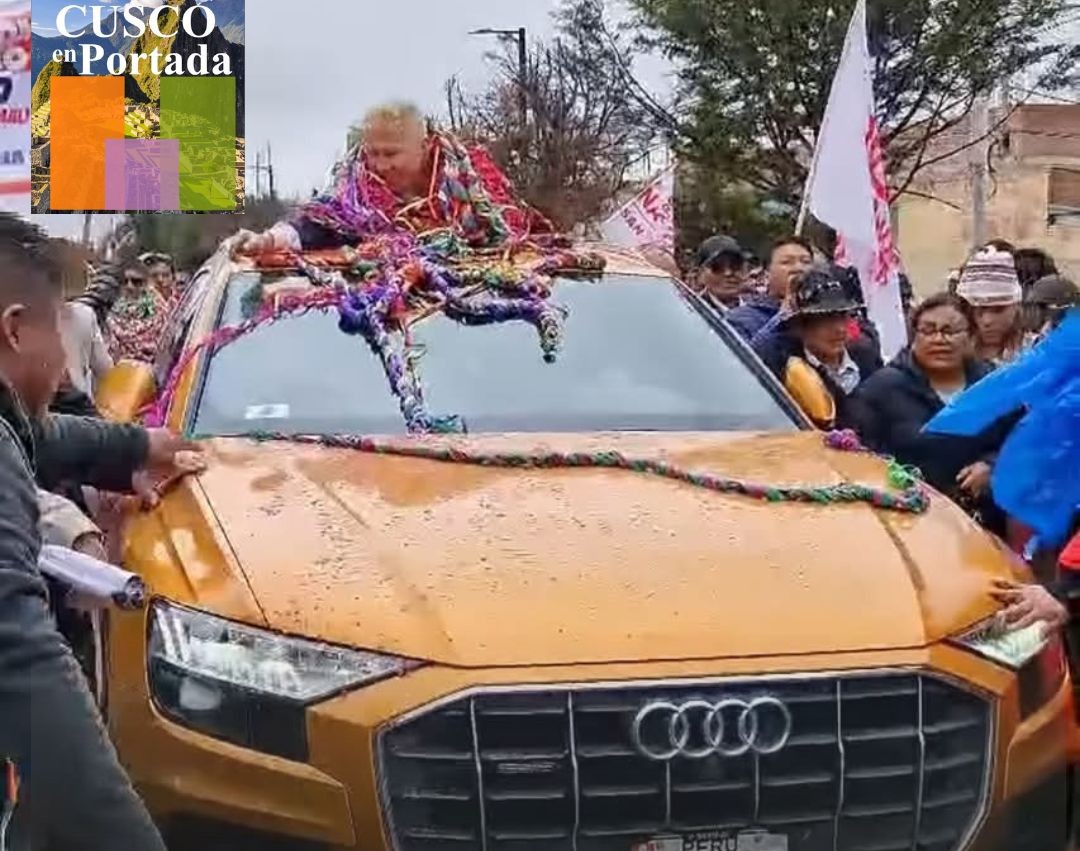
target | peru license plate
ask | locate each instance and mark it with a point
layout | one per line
(717, 841)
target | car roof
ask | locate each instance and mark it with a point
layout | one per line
(618, 261)
(199, 312)
(209, 283)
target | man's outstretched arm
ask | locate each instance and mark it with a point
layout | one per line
(89, 452)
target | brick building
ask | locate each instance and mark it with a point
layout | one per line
(1033, 191)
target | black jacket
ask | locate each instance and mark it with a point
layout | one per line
(316, 237)
(76, 796)
(72, 402)
(894, 405)
(776, 349)
(56, 449)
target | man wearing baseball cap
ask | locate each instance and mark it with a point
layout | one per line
(1049, 299)
(721, 272)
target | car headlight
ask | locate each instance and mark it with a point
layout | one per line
(246, 685)
(1034, 652)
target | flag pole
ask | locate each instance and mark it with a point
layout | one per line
(804, 205)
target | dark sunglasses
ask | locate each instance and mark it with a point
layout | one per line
(726, 263)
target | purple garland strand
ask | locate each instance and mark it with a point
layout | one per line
(365, 311)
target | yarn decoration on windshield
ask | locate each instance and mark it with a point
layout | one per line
(467, 249)
(912, 499)
(394, 277)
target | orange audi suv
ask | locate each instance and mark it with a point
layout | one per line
(367, 651)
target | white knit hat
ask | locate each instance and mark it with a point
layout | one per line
(989, 280)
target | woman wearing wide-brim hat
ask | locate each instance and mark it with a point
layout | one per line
(814, 329)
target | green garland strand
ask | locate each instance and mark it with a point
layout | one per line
(909, 496)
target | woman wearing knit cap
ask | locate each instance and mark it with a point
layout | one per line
(989, 283)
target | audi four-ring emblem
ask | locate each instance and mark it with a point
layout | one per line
(696, 729)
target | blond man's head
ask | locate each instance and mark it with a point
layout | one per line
(393, 139)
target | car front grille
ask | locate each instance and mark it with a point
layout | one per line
(870, 763)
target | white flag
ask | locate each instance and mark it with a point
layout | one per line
(648, 221)
(847, 189)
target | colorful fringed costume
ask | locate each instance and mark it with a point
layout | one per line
(1036, 476)
(136, 323)
(467, 193)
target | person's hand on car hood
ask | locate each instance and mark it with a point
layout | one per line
(168, 459)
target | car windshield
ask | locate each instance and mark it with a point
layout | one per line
(636, 356)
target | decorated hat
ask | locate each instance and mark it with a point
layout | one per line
(819, 293)
(989, 280)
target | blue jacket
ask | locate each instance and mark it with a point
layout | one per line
(753, 315)
(1035, 478)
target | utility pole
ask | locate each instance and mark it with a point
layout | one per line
(270, 171)
(523, 77)
(87, 219)
(264, 165)
(980, 129)
(519, 35)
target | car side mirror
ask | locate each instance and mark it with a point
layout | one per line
(807, 388)
(125, 390)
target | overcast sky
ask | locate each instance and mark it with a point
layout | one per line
(311, 74)
(316, 66)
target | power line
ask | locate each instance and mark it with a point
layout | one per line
(1050, 134)
(1049, 96)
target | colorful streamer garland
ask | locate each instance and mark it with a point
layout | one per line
(398, 272)
(461, 266)
(361, 205)
(908, 494)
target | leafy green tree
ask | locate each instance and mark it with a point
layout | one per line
(754, 75)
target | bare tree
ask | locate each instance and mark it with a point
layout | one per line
(583, 133)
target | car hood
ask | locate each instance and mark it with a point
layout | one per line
(473, 566)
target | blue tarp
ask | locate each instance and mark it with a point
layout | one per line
(1037, 475)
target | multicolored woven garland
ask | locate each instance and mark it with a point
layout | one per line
(910, 497)
(451, 251)
(467, 194)
(392, 275)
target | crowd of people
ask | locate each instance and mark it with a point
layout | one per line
(999, 305)
(794, 308)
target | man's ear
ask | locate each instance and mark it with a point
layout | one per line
(12, 323)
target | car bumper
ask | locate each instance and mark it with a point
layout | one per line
(333, 800)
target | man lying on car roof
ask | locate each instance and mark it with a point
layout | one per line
(401, 173)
